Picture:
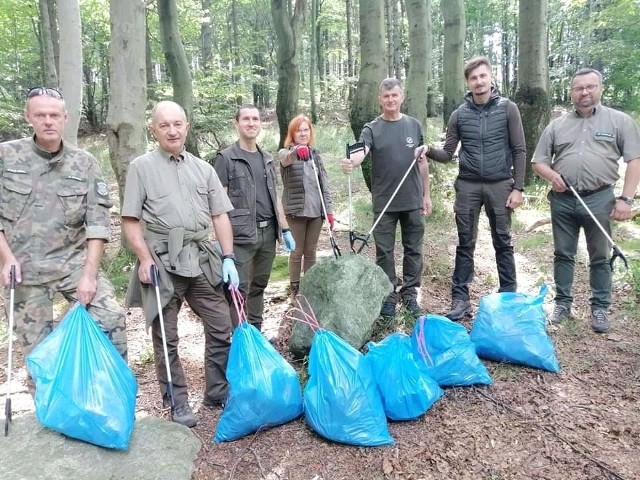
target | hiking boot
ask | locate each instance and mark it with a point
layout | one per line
(388, 310)
(459, 309)
(213, 403)
(411, 305)
(294, 288)
(600, 321)
(184, 416)
(560, 314)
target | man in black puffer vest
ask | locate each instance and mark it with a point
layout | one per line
(492, 166)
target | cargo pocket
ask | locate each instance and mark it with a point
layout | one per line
(15, 193)
(74, 203)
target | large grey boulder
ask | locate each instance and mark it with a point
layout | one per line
(346, 295)
(159, 450)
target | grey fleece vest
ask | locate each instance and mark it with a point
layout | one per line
(485, 154)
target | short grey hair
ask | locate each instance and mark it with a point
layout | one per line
(166, 103)
(389, 83)
(587, 71)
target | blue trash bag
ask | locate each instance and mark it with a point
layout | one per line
(446, 353)
(341, 399)
(407, 392)
(84, 389)
(510, 327)
(264, 390)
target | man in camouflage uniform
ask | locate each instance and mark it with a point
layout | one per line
(54, 222)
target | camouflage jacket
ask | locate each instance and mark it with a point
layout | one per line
(50, 204)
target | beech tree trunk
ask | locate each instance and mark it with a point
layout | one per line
(71, 65)
(178, 65)
(126, 123)
(453, 84)
(365, 106)
(287, 29)
(532, 94)
(49, 70)
(417, 84)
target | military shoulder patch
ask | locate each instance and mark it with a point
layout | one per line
(101, 188)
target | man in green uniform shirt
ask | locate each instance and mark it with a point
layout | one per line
(584, 146)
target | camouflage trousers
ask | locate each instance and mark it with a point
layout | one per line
(33, 311)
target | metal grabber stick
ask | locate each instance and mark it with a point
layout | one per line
(393, 195)
(617, 253)
(154, 281)
(7, 404)
(352, 234)
(332, 240)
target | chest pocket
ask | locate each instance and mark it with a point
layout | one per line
(239, 187)
(74, 202)
(16, 189)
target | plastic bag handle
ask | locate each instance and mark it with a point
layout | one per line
(238, 304)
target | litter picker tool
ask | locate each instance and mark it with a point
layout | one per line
(334, 245)
(617, 253)
(7, 404)
(366, 237)
(154, 281)
(353, 237)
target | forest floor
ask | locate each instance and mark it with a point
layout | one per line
(582, 423)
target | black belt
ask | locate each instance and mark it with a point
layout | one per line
(586, 193)
(265, 223)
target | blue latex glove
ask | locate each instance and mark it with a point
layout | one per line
(229, 272)
(289, 242)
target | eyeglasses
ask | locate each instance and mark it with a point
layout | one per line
(588, 88)
(48, 91)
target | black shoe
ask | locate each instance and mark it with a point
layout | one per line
(459, 309)
(184, 416)
(213, 403)
(388, 310)
(411, 305)
(560, 314)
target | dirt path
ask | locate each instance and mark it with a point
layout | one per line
(583, 423)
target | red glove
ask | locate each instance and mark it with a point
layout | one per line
(303, 152)
(331, 219)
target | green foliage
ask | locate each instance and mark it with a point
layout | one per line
(146, 356)
(118, 270)
(280, 268)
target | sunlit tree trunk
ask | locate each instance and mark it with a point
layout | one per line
(52, 6)
(350, 62)
(532, 92)
(177, 63)
(313, 61)
(452, 58)
(420, 59)
(206, 36)
(126, 130)
(373, 67)
(71, 65)
(287, 27)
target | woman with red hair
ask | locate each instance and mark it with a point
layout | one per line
(305, 188)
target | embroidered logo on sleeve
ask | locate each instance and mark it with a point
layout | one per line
(101, 188)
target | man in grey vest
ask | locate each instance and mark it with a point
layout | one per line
(491, 173)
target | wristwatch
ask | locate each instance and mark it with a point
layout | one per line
(627, 200)
(230, 256)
